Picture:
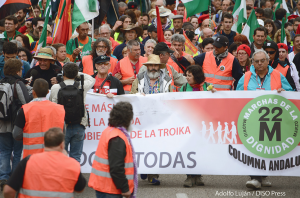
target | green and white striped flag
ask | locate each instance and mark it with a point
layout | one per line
(250, 26)
(83, 11)
(195, 6)
(284, 6)
(41, 6)
(239, 15)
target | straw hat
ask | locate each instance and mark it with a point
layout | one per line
(139, 31)
(163, 12)
(45, 53)
(154, 60)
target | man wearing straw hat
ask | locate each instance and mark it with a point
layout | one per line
(154, 80)
(45, 68)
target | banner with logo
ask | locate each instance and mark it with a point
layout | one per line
(222, 133)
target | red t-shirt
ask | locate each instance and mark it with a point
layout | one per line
(105, 88)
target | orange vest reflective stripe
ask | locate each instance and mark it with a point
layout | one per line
(50, 174)
(39, 117)
(220, 76)
(174, 88)
(275, 80)
(88, 66)
(282, 70)
(127, 70)
(100, 178)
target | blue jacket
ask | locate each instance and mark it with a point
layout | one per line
(25, 67)
(253, 84)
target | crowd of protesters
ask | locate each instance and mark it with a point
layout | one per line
(127, 58)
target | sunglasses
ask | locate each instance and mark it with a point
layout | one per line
(270, 52)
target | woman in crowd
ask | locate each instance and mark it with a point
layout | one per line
(168, 34)
(241, 39)
(271, 28)
(149, 47)
(61, 54)
(232, 49)
(24, 40)
(277, 38)
(207, 45)
(243, 56)
(24, 54)
(116, 32)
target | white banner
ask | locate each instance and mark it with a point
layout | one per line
(198, 132)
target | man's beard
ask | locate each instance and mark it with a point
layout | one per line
(99, 53)
(153, 74)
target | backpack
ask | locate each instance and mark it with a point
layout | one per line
(9, 101)
(71, 97)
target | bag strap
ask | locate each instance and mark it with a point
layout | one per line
(76, 84)
(15, 89)
(62, 85)
(184, 87)
(176, 61)
(104, 81)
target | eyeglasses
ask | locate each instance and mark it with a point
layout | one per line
(101, 46)
(242, 54)
(105, 64)
(104, 33)
(270, 52)
(257, 61)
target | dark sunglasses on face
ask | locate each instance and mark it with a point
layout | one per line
(270, 52)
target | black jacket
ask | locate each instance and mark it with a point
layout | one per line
(45, 74)
(277, 24)
(114, 84)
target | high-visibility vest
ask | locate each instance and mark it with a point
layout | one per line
(116, 35)
(30, 38)
(40, 116)
(88, 66)
(100, 178)
(275, 80)
(50, 174)
(175, 66)
(220, 76)
(281, 69)
(127, 70)
(174, 88)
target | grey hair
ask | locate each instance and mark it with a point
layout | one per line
(151, 41)
(178, 38)
(122, 5)
(105, 26)
(132, 43)
(260, 51)
(104, 40)
(164, 2)
(52, 48)
(18, 43)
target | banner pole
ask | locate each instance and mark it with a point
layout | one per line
(114, 9)
(33, 12)
(93, 29)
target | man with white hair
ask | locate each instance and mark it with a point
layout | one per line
(122, 8)
(206, 33)
(149, 47)
(104, 32)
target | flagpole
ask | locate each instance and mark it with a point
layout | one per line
(114, 9)
(92, 29)
(210, 14)
(33, 12)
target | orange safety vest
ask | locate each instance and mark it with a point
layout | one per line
(50, 174)
(127, 70)
(88, 65)
(100, 178)
(40, 116)
(220, 76)
(175, 66)
(281, 69)
(275, 80)
(174, 88)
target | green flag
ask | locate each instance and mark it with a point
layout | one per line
(195, 6)
(283, 36)
(250, 26)
(239, 15)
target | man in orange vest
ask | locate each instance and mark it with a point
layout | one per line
(262, 76)
(36, 117)
(220, 68)
(100, 47)
(114, 169)
(128, 67)
(48, 174)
